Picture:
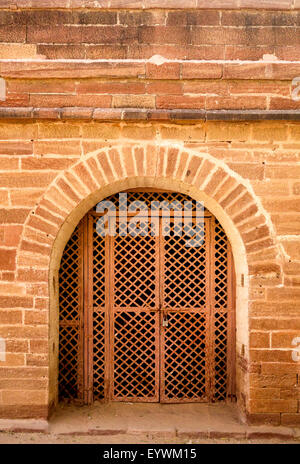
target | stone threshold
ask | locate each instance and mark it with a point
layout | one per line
(240, 432)
(138, 114)
(186, 421)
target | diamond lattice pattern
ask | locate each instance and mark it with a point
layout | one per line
(135, 355)
(185, 280)
(69, 295)
(148, 356)
(99, 354)
(220, 313)
(98, 269)
(184, 360)
(69, 279)
(134, 270)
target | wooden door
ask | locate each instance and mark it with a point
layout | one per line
(134, 311)
(186, 310)
(155, 317)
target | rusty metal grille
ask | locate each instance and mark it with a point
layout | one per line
(184, 271)
(220, 311)
(144, 317)
(97, 275)
(221, 267)
(69, 275)
(98, 266)
(185, 313)
(135, 356)
(184, 357)
(99, 355)
(69, 316)
(134, 270)
(149, 196)
(134, 325)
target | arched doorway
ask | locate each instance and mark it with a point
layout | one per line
(147, 313)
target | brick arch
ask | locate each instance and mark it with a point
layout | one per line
(148, 165)
(107, 171)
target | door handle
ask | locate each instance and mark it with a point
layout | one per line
(160, 310)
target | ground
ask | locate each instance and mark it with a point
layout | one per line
(40, 438)
(144, 423)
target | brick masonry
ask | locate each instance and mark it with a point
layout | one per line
(142, 84)
(191, 34)
(214, 96)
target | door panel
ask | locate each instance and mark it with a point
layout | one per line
(184, 357)
(186, 309)
(96, 271)
(135, 319)
(70, 319)
(135, 356)
(185, 270)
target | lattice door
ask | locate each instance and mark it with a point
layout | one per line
(186, 311)
(135, 324)
(147, 315)
(70, 319)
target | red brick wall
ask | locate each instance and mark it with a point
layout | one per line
(145, 85)
(133, 34)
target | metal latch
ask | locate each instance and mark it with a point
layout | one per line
(165, 321)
